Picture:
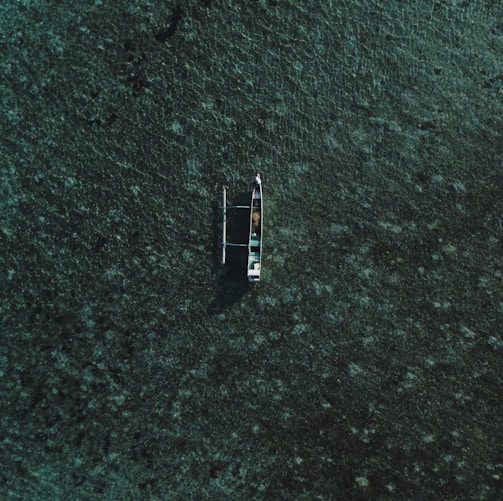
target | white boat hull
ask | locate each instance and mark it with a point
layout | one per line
(255, 236)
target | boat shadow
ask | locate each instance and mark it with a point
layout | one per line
(232, 280)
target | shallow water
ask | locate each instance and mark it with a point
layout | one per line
(365, 364)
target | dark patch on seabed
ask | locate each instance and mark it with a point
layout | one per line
(366, 363)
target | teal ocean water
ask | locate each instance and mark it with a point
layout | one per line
(366, 364)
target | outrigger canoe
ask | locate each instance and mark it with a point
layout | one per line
(254, 244)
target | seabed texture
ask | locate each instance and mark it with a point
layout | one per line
(367, 362)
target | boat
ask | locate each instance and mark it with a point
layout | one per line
(254, 244)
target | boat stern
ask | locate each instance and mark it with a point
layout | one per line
(253, 267)
(253, 276)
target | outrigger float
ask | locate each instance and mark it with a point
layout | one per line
(255, 234)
